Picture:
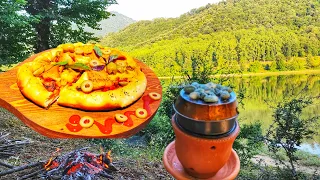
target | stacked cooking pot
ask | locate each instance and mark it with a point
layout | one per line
(211, 120)
(205, 128)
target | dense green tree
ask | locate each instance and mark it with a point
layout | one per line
(14, 32)
(239, 32)
(56, 17)
(36, 25)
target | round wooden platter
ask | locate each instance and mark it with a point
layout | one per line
(52, 122)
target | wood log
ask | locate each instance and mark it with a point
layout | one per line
(6, 165)
(20, 168)
(104, 174)
(15, 144)
(32, 174)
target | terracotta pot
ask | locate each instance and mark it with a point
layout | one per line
(202, 157)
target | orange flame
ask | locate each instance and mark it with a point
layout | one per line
(109, 156)
(105, 165)
(99, 160)
(46, 166)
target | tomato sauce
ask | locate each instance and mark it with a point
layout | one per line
(74, 120)
(146, 104)
(129, 122)
(107, 127)
(73, 124)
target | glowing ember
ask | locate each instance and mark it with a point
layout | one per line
(79, 164)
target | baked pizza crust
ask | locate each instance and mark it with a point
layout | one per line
(108, 100)
(32, 88)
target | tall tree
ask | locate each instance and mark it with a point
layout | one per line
(55, 18)
(14, 32)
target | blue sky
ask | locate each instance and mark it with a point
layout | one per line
(150, 9)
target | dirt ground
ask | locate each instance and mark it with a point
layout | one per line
(41, 148)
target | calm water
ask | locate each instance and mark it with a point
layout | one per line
(263, 92)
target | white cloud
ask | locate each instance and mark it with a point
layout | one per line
(150, 9)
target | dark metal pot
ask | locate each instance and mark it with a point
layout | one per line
(208, 119)
(205, 127)
(199, 110)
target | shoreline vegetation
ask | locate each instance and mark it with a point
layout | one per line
(300, 72)
(246, 74)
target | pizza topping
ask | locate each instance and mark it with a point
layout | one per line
(112, 58)
(65, 57)
(87, 86)
(79, 66)
(86, 121)
(50, 85)
(62, 63)
(87, 49)
(121, 117)
(78, 50)
(94, 63)
(123, 83)
(155, 96)
(52, 73)
(82, 59)
(38, 71)
(106, 51)
(111, 68)
(98, 68)
(141, 113)
(68, 76)
(97, 50)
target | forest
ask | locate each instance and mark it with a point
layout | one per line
(247, 35)
(233, 36)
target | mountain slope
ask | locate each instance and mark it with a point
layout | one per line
(224, 16)
(112, 24)
(238, 34)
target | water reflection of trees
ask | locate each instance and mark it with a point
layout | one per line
(275, 88)
(263, 92)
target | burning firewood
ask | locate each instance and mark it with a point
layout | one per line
(78, 164)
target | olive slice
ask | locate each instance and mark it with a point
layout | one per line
(86, 121)
(154, 96)
(141, 113)
(121, 117)
(87, 86)
(123, 83)
(94, 63)
(106, 51)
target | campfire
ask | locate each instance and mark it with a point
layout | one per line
(78, 164)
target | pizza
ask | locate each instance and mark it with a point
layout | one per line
(82, 76)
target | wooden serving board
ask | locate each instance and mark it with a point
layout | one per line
(52, 122)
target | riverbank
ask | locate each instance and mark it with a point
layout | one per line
(278, 73)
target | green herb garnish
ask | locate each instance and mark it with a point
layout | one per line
(97, 50)
(78, 66)
(62, 63)
(112, 57)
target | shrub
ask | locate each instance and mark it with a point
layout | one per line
(248, 142)
(289, 129)
(255, 67)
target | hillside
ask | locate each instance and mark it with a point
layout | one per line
(233, 33)
(112, 24)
